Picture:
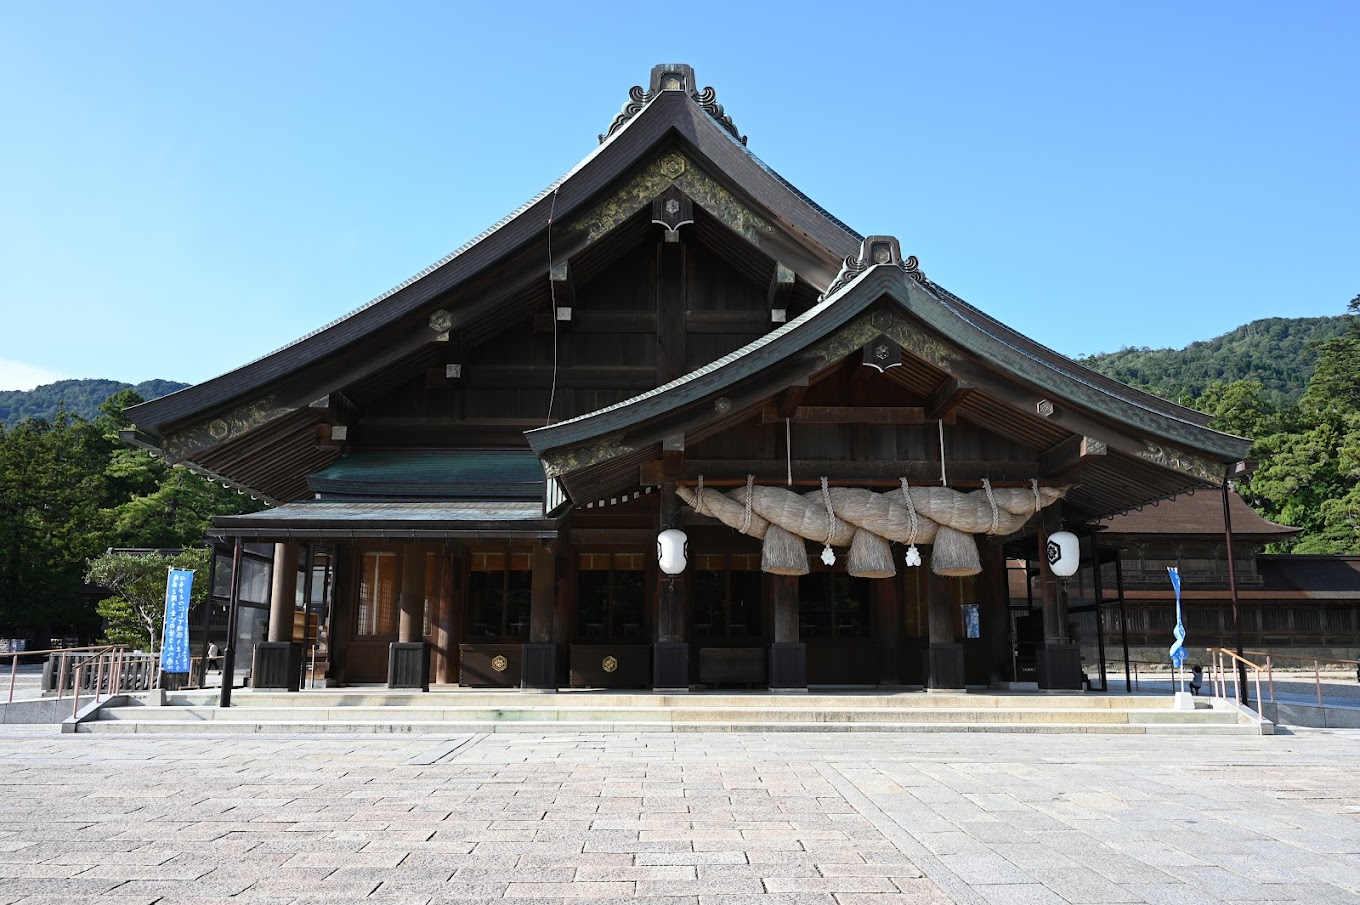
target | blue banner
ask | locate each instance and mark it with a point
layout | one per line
(175, 641)
(1178, 647)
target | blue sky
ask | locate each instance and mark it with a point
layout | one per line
(187, 186)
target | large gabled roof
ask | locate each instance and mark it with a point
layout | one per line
(668, 116)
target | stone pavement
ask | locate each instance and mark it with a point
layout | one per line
(705, 819)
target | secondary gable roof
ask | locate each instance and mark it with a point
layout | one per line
(879, 293)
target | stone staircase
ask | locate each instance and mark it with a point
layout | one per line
(363, 711)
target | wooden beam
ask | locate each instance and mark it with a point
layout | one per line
(947, 397)
(671, 298)
(789, 399)
(864, 473)
(780, 292)
(1069, 454)
(846, 414)
(673, 454)
(563, 293)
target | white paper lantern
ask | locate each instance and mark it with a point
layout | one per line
(672, 550)
(1064, 553)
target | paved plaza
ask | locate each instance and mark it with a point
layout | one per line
(705, 819)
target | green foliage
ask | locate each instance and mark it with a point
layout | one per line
(75, 397)
(135, 615)
(1278, 352)
(1310, 452)
(51, 521)
(69, 490)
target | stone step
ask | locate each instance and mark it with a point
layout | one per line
(762, 700)
(176, 727)
(655, 714)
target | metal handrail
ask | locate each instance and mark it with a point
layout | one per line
(1317, 669)
(1220, 681)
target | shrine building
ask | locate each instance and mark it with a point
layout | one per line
(671, 425)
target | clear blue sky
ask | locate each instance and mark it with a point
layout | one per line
(187, 186)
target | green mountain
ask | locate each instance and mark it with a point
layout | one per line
(81, 397)
(1278, 351)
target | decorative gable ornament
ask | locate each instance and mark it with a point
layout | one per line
(673, 77)
(873, 251)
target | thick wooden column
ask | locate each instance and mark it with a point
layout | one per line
(539, 663)
(788, 656)
(278, 661)
(994, 599)
(1058, 661)
(412, 600)
(444, 673)
(670, 652)
(945, 669)
(283, 594)
(887, 628)
(408, 659)
(344, 600)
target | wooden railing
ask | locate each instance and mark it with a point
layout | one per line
(64, 651)
(113, 670)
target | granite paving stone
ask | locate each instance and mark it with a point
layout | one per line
(685, 819)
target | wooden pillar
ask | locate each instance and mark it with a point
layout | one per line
(669, 624)
(945, 668)
(670, 652)
(344, 600)
(539, 655)
(1055, 632)
(283, 595)
(544, 592)
(408, 659)
(412, 600)
(443, 621)
(1059, 661)
(994, 599)
(938, 611)
(788, 656)
(887, 628)
(784, 593)
(278, 661)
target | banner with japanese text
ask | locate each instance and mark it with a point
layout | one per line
(175, 641)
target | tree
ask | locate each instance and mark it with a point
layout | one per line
(51, 487)
(136, 612)
(1310, 466)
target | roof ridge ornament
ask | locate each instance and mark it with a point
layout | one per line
(673, 77)
(874, 250)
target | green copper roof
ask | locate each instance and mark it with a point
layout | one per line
(433, 474)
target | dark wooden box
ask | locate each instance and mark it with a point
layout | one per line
(611, 665)
(490, 665)
(732, 665)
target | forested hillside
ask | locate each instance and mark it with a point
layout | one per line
(1280, 352)
(80, 397)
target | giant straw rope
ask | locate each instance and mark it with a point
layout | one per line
(868, 521)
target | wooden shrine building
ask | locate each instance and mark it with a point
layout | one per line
(671, 336)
